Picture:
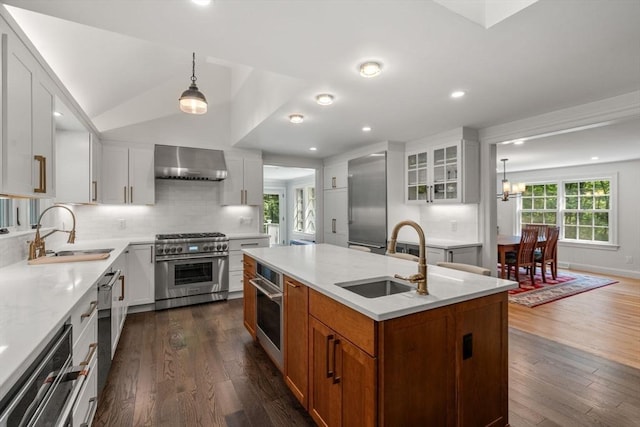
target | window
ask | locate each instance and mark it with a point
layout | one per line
(540, 204)
(305, 210)
(586, 213)
(581, 208)
(5, 213)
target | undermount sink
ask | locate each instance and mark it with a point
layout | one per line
(377, 287)
(83, 252)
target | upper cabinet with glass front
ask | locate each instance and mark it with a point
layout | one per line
(442, 173)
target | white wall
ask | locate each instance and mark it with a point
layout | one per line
(601, 259)
(452, 222)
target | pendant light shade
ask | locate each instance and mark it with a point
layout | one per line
(192, 101)
(509, 189)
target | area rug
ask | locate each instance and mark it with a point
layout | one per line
(565, 285)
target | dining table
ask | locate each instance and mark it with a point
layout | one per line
(509, 243)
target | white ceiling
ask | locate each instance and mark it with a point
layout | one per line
(280, 173)
(127, 62)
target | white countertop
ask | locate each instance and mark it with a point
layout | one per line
(238, 236)
(322, 266)
(36, 300)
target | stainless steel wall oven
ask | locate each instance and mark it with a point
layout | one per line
(191, 268)
(269, 311)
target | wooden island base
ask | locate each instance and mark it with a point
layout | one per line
(443, 367)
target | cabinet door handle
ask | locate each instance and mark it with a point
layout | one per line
(42, 175)
(333, 182)
(292, 284)
(151, 252)
(336, 377)
(92, 307)
(329, 371)
(333, 225)
(125, 194)
(93, 405)
(95, 191)
(131, 194)
(121, 297)
(92, 350)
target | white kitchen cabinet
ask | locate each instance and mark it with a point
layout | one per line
(236, 245)
(28, 148)
(462, 253)
(335, 176)
(447, 173)
(140, 268)
(336, 228)
(127, 175)
(118, 301)
(243, 185)
(78, 156)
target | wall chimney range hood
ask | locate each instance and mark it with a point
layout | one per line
(189, 163)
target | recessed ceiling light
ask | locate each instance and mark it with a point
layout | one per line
(296, 118)
(57, 114)
(457, 94)
(595, 158)
(370, 69)
(366, 129)
(518, 142)
(201, 2)
(324, 99)
(313, 149)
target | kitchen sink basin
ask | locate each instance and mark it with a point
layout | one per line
(84, 252)
(376, 288)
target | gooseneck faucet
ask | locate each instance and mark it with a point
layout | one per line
(36, 247)
(421, 277)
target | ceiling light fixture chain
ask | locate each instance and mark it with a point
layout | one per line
(193, 70)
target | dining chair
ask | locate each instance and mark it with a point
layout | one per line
(465, 267)
(542, 229)
(524, 256)
(549, 254)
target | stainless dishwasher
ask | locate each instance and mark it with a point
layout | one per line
(105, 287)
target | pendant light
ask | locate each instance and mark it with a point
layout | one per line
(507, 188)
(192, 100)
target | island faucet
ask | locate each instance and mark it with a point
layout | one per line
(421, 277)
(36, 247)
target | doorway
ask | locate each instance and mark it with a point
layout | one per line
(289, 204)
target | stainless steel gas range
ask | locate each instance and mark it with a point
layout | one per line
(191, 268)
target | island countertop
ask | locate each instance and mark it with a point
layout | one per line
(323, 266)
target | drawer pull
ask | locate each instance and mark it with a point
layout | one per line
(92, 350)
(92, 308)
(95, 191)
(292, 284)
(249, 244)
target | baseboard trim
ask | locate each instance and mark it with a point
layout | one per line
(601, 270)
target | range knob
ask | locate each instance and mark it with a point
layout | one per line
(180, 249)
(219, 246)
(224, 246)
(159, 250)
(173, 250)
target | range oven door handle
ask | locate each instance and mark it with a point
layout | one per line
(78, 374)
(261, 285)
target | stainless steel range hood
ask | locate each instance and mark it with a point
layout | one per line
(189, 163)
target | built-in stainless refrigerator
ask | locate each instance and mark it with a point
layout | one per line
(367, 207)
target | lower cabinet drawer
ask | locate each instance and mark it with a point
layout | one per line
(82, 312)
(86, 345)
(87, 403)
(236, 281)
(235, 261)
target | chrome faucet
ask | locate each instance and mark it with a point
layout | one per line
(421, 277)
(36, 247)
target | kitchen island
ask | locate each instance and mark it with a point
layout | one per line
(401, 359)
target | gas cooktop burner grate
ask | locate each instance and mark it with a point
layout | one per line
(188, 236)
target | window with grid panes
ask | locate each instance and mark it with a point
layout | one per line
(539, 204)
(586, 215)
(299, 211)
(310, 211)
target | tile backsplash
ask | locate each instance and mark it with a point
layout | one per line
(181, 206)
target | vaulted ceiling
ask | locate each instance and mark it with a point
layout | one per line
(258, 61)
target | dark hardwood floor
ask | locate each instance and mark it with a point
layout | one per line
(197, 366)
